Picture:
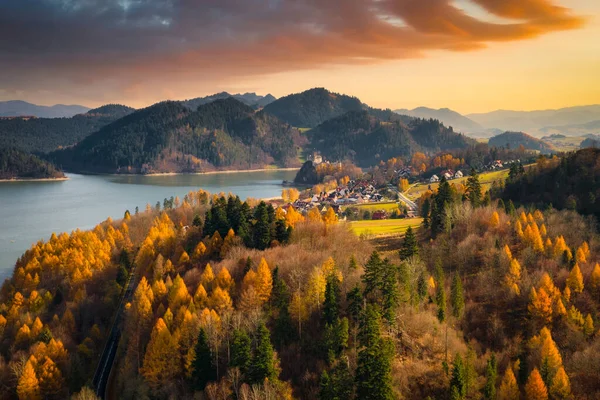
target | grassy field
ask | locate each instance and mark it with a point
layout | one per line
(387, 206)
(384, 227)
(485, 179)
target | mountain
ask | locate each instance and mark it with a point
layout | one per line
(15, 108)
(448, 117)
(313, 107)
(513, 140)
(251, 99)
(578, 129)
(591, 141)
(169, 137)
(17, 164)
(366, 139)
(536, 120)
(43, 135)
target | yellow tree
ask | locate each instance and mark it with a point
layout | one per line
(595, 278)
(184, 259)
(561, 387)
(575, 280)
(550, 355)
(330, 217)
(178, 293)
(224, 280)
(264, 280)
(297, 309)
(519, 229)
(513, 277)
(220, 300)
(547, 284)
(316, 288)
(249, 300)
(535, 389)
(495, 220)
(207, 277)
(160, 366)
(294, 194)
(228, 243)
(314, 215)
(540, 305)
(51, 379)
(509, 390)
(292, 217)
(199, 252)
(576, 317)
(200, 296)
(28, 387)
(285, 195)
(403, 185)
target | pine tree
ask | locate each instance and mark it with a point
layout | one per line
(262, 229)
(458, 379)
(332, 299)
(474, 189)
(390, 293)
(373, 372)
(425, 209)
(241, 351)
(491, 374)
(355, 303)
(263, 361)
(373, 275)
(160, 367)
(421, 287)
(535, 388)
(440, 295)
(204, 370)
(410, 247)
(457, 296)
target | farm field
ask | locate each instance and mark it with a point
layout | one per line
(486, 179)
(386, 206)
(384, 227)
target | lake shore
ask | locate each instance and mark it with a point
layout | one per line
(35, 179)
(229, 171)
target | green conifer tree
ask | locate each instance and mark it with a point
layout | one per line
(263, 362)
(457, 296)
(203, 368)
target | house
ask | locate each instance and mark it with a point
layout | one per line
(434, 178)
(448, 174)
(317, 158)
(458, 175)
(379, 215)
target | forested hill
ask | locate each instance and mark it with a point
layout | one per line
(365, 139)
(513, 140)
(251, 99)
(312, 107)
(43, 135)
(169, 137)
(16, 164)
(572, 182)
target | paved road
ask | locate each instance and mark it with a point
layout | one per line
(412, 206)
(110, 348)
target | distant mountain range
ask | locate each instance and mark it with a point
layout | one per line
(537, 120)
(251, 99)
(571, 121)
(458, 122)
(16, 108)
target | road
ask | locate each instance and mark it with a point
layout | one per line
(412, 206)
(110, 348)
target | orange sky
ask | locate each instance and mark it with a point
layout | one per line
(468, 55)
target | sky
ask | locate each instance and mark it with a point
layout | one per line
(467, 55)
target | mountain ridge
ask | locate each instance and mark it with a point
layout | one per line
(19, 108)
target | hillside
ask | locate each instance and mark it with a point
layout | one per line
(169, 137)
(578, 129)
(251, 99)
(535, 120)
(15, 108)
(16, 164)
(513, 140)
(312, 107)
(448, 117)
(43, 135)
(591, 141)
(366, 139)
(573, 183)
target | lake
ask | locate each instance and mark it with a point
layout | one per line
(30, 211)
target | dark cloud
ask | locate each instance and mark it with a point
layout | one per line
(126, 44)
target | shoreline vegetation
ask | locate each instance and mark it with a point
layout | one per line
(17, 179)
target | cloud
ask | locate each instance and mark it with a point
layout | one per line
(126, 45)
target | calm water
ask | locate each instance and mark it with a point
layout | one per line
(30, 211)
